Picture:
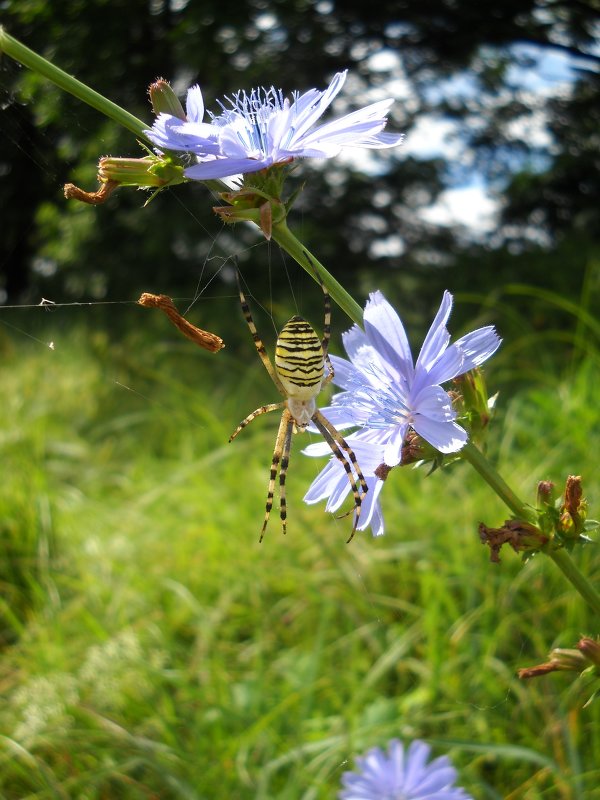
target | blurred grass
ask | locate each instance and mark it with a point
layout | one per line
(153, 649)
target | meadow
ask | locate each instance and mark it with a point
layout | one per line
(152, 648)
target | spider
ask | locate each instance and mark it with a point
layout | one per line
(299, 375)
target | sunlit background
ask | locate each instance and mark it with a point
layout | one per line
(151, 647)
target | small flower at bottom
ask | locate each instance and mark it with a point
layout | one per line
(401, 774)
(259, 129)
(386, 394)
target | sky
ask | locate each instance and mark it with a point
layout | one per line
(537, 73)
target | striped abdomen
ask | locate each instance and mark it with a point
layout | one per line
(299, 359)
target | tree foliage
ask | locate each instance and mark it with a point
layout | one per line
(457, 60)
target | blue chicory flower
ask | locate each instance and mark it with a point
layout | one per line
(332, 485)
(401, 775)
(386, 393)
(262, 128)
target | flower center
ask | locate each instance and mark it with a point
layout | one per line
(255, 106)
(383, 403)
(255, 109)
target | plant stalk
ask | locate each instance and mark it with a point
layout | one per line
(286, 240)
(477, 460)
(565, 563)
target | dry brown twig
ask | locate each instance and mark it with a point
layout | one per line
(205, 339)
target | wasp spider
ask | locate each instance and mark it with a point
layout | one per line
(299, 374)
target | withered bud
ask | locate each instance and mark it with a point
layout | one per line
(573, 511)
(561, 660)
(573, 493)
(382, 471)
(96, 198)
(413, 448)
(521, 536)
(164, 100)
(205, 339)
(574, 503)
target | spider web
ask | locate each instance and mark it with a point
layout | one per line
(211, 284)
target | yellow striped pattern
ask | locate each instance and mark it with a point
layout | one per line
(299, 358)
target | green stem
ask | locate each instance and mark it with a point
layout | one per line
(286, 239)
(477, 460)
(559, 555)
(567, 566)
(13, 48)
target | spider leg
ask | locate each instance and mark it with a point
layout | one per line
(253, 415)
(285, 460)
(344, 453)
(260, 348)
(330, 374)
(326, 322)
(284, 434)
(327, 304)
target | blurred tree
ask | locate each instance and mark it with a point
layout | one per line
(458, 60)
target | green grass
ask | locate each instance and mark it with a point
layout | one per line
(153, 649)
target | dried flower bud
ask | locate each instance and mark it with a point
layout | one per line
(416, 449)
(382, 471)
(96, 198)
(205, 339)
(573, 510)
(561, 660)
(521, 536)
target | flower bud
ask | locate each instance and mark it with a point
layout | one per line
(473, 401)
(150, 171)
(254, 205)
(164, 100)
(545, 494)
(590, 649)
